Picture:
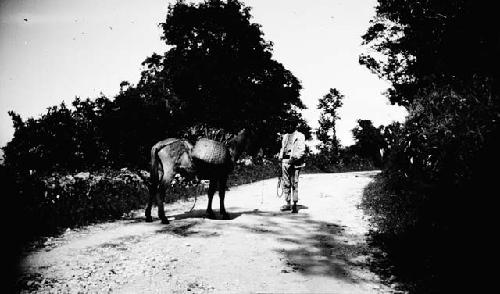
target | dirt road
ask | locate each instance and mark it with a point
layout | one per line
(321, 249)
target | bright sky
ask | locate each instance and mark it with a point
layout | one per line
(54, 50)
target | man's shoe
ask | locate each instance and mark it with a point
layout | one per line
(294, 208)
(285, 207)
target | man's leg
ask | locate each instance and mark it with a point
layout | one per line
(285, 177)
(295, 191)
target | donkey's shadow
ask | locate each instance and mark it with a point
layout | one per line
(201, 213)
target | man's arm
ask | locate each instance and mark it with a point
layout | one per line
(280, 155)
(300, 149)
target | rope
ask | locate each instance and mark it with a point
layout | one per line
(279, 187)
(201, 185)
(194, 204)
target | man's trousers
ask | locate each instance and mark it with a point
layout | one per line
(290, 178)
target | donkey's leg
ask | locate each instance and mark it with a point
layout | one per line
(152, 194)
(153, 189)
(159, 200)
(222, 194)
(211, 191)
(168, 176)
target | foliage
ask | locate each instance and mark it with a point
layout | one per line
(63, 138)
(220, 68)
(364, 154)
(390, 134)
(60, 200)
(348, 161)
(218, 74)
(326, 133)
(441, 140)
(432, 173)
(246, 171)
(135, 121)
(368, 141)
(441, 60)
(419, 43)
(49, 203)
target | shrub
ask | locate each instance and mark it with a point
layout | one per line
(435, 154)
(49, 203)
(46, 204)
(247, 172)
(321, 163)
(433, 178)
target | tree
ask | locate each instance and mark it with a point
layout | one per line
(391, 134)
(136, 120)
(368, 141)
(426, 42)
(61, 139)
(441, 58)
(217, 74)
(326, 133)
(219, 70)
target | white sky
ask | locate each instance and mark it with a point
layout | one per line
(69, 48)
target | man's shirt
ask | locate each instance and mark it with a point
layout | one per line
(292, 145)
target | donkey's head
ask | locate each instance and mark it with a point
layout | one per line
(243, 142)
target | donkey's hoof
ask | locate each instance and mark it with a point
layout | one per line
(210, 215)
(225, 216)
(164, 220)
(149, 219)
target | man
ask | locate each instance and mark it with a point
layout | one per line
(291, 156)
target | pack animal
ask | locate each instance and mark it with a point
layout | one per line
(172, 156)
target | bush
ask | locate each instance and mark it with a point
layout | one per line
(49, 203)
(435, 157)
(247, 171)
(433, 179)
(61, 139)
(322, 163)
(46, 204)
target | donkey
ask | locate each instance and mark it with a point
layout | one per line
(172, 156)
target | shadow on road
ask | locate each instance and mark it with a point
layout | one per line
(201, 213)
(312, 247)
(185, 224)
(307, 246)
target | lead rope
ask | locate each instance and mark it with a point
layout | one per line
(279, 188)
(202, 184)
(195, 197)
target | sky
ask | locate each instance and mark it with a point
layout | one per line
(55, 50)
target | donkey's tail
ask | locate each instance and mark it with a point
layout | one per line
(155, 167)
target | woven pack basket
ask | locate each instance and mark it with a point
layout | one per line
(210, 151)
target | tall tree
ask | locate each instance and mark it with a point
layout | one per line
(219, 70)
(326, 133)
(421, 42)
(368, 141)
